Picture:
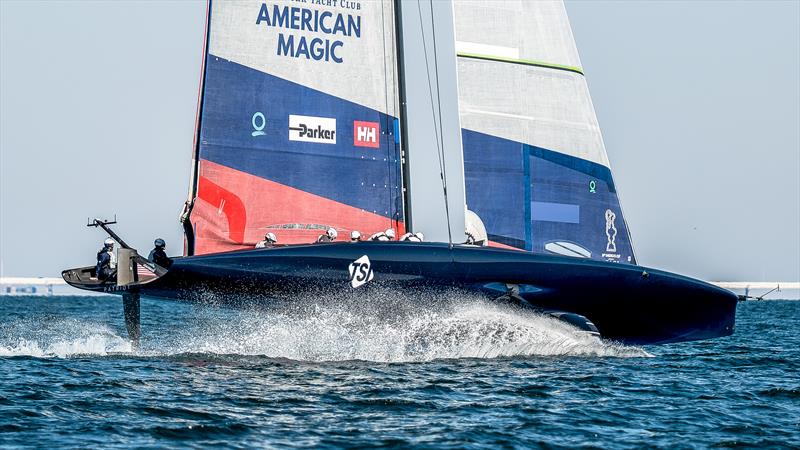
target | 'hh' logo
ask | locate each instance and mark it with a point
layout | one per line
(321, 130)
(365, 134)
(360, 271)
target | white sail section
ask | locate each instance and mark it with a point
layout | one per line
(346, 50)
(536, 168)
(432, 129)
(539, 94)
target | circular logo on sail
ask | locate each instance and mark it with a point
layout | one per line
(259, 122)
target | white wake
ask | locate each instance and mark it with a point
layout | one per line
(385, 329)
(51, 337)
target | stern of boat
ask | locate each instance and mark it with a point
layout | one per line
(133, 271)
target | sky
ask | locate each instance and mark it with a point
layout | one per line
(699, 103)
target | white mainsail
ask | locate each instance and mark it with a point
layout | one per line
(297, 123)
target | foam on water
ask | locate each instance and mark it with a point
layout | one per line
(389, 327)
(54, 337)
(390, 330)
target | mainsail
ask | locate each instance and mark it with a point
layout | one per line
(297, 123)
(299, 126)
(536, 169)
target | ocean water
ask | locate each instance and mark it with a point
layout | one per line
(465, 373)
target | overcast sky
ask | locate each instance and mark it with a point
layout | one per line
(699, 103)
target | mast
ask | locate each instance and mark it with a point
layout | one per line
(403, 113)
(434, 166)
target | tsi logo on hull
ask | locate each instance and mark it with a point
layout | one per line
(321, 130)
(360, 271)
(365, 134)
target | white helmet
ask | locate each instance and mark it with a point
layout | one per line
(108, 242)
(420, 236)
(355, 235)
(390, 233)
(332, 233)
(270, 237)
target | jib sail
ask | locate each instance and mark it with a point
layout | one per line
(536, 169)
(297, 123)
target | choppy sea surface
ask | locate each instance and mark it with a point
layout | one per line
(467, 374)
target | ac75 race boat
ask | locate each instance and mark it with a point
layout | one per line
(469, 121)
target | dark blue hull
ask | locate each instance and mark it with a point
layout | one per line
(627, 303)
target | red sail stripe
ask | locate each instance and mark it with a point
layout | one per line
(230, 204)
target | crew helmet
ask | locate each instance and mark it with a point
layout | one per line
(332, 233)
(108, 242)
(355, 235)
(270, 237)
(160, 243)
(420, 236)
(389, 233)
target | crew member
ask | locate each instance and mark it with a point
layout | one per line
(158, 255)
(355, 236)
(411, 237)
(383, 236)
(472, 240)
(269, 241)
(379, 236)
(106, 262)
(329, 235)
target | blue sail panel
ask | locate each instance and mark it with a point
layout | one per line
(544, 201)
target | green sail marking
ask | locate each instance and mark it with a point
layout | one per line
(526, 62)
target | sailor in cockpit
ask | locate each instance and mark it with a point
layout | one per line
(475, 230)
(159, 255)
(387, 235)
(329, 235)
(106, 261)
(355, 236)
(412, 237)
(269, 241)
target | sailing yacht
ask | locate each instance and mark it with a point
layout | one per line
(467, 120)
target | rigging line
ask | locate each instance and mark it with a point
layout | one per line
(430, 88)
(385, 72)
(443, 164)
(384, 121)
(436, 127)
(397, 109)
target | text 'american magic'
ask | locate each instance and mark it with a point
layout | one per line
(304, 19)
